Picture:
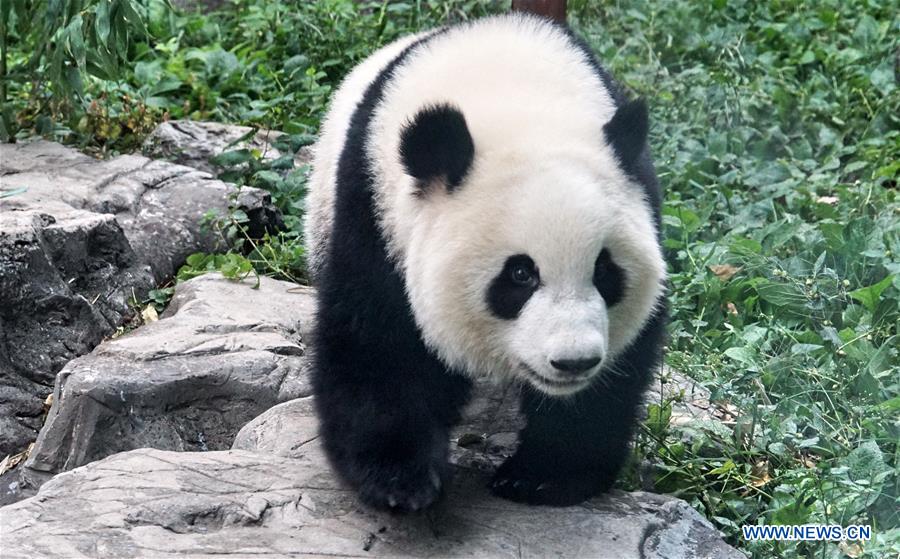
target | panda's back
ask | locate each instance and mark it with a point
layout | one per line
(523, 84)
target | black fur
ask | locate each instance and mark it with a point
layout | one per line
(437, 145)
(609, 279)
(386, 403)
(505, 298)
(627, 133)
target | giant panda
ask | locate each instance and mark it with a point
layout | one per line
(483, 205)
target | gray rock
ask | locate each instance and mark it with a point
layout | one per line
(12, 489)
(471, 523)
(485, 437)
(220, 355)
(82, 240)
(152, 503)
(283, 430)
(194, 143)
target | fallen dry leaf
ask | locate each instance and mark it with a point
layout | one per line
(149, 314)
(759, 473)
(724, 271)
(808, 461)
(12, 460)
(851, 549)
(732, 310)
(830, 200)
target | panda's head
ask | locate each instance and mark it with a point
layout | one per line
(542, 264)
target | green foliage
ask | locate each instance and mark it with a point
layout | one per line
(56, 44)
(231, 265)
(279, 254)
(268, 64)
(274, 65)
(777, 137)
(776, 131)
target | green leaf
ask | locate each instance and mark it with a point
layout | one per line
(745, 246)
(73, 79)
(232, 158)
(687, 219)
(266, 179)
(131, 16)
(658, 418)
(75, 40)
(101, 24)
(892, 405)
(865, 462)
(793, 514)
(869, 296)
(805, 348)
(283, 163)
(724, 468)
(741, 355)
(784, 296)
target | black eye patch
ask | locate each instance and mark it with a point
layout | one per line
(513, 286)
(609, 279)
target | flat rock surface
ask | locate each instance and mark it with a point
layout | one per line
(79, 238)
(221, 354)
(152, 503)
(195, 143)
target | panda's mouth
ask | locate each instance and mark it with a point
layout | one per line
(556, 385)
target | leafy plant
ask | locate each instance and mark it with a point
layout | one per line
(276, 253)
(231, 265)
(776, 133)
(268, 64)
(56, 44)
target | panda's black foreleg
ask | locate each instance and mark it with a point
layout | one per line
(573, 448)
(385, 422)
(570, 449)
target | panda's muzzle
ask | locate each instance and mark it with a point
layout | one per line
(575, 367)
(569, 384)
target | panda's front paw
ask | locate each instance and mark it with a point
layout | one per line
(403, 488)
(515, 481)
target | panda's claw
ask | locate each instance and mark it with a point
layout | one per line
(405, 489)
(435, 478)
(516, 482)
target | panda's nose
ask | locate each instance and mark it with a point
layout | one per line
(575, 366)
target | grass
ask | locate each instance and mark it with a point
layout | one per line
(777, 137)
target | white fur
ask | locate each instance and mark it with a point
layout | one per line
(544, 183)
(327, 151)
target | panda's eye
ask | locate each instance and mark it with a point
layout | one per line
(609, 278)
(601, 265)
(513, 286)
(524, 275)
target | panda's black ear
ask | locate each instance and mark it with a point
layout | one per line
(436, 145)
(627, 132)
